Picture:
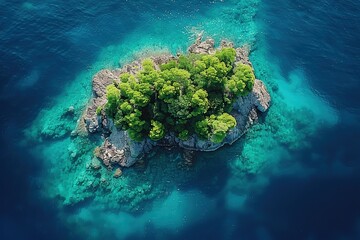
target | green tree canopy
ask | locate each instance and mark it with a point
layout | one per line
(190, 94)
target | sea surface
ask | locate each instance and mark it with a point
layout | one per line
(294, 175)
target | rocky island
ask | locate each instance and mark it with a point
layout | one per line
(197, 101)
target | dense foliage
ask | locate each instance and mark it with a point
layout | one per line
(192, 94)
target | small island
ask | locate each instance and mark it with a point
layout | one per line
(198, 101)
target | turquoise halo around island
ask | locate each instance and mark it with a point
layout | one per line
(163, 182)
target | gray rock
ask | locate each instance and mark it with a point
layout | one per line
(71, 109)
(118, 148)
(110, 154)
(242, 55)
(117, 173)
(261, 96)
(161, 59)
(95, 163)
(205, 47)
(102, 79)
(225, 43)
(92, 124)
(73, 133)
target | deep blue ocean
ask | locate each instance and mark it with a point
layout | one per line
(311, 192)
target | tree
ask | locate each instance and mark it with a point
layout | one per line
(183, 135)
(180, 108)
(126, 108)
(215, 127)
(200, 102)
(226, 55)
(185, 63)
(202, 128)
(139, 99)
(134, 135)
(148, 66)
(168, 65)
(157, 131)
(220, 125)
(167, 93)
(242, 81)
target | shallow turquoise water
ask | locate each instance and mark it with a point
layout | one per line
(245, 191)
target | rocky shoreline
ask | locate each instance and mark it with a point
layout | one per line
(119, 149)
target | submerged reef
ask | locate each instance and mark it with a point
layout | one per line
(198, 102)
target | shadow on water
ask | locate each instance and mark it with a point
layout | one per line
(211, 172)
(207, 172)
(317, 201)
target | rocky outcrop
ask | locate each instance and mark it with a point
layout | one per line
(101, 80)
(119, 149)
(110, 154)
(117, 173)
(129, 151)
(205, 47)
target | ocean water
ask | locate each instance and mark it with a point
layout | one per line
(294, 175)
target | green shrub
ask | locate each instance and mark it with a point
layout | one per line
(113, 98)
(98, 110)
(242, 81)
(226, 55)
(157, 131)
(183, 135)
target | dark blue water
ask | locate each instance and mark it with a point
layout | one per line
(321, 37)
